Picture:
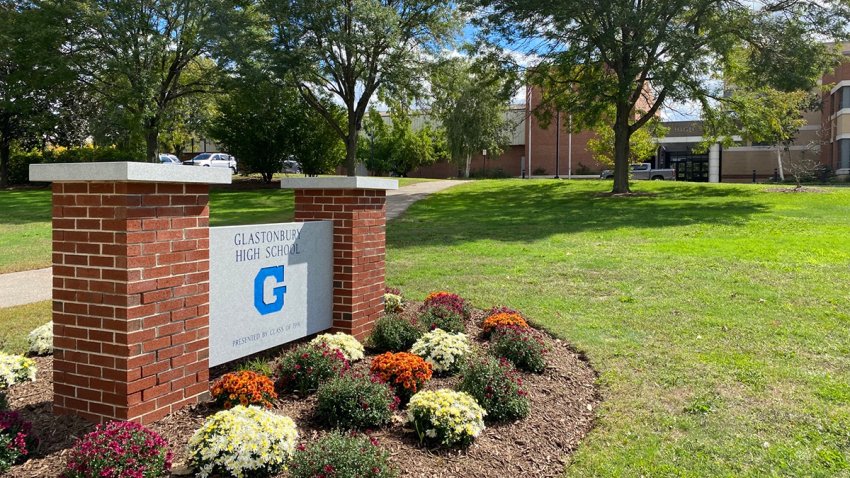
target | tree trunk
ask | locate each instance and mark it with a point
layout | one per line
(5, 153)
(151, 143)
(621, 150)
(351, 147)
(467, 165)
(779, 163)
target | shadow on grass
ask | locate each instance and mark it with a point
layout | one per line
(25, 206)
(524, 212)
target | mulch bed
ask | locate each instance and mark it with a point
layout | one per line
(563, 403)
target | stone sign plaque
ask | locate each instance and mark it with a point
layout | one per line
(269, 284)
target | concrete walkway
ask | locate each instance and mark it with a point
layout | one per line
(18, 288)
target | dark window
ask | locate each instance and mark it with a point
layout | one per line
(843, 153)
(845, 97)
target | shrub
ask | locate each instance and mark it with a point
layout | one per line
(392, 303)
(243, 441)
(393, 334)
(521, 346)
(244, 388)
(355, 402)
(444, 351)
(446, 417)
(449, 301)
(404, 371)
(4, 402)
(119, 450)
(343, 456)
(351, 349)
(40, 339)
(303, 368)
(16, 440)
(15, 369)
(495, 386)
(502, 318)
(439, 317)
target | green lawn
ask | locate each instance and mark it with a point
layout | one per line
(716, 315)
(25, 239)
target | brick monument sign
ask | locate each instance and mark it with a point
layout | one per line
(131, 279)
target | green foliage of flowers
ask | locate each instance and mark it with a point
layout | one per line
(522, 346)
(355, 402)
(393, 333)
(440, 317)
(4, 402)
(119, 450)
(446, 417)
(243, 442)
(15, 369)
(40, 340)
(340, 455)
(16, 440)
(303, 368)
(496, 387)
(257, 364)
(350, 347)
(443, 350)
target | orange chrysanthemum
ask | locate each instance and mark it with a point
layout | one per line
(405, 371)
(503, 318)
(243, 388)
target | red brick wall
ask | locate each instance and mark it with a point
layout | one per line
(130, 298)
(359, 240)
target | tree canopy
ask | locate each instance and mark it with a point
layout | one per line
(471, 99)
(351, 49)
(634, 56)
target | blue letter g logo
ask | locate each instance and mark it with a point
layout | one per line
(262, 307)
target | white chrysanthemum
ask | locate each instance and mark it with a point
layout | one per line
(392, 303)
(41, 339)
(455, 418)
(443, 350)
(350, 347)
(243, 441)
(16, 369)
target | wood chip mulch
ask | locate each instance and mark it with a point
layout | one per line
(563, 403)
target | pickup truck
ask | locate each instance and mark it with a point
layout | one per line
(644, 171)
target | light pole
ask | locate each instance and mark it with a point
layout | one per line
(558, 145)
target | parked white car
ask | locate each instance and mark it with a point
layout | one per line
(165, 158)
(214, 160)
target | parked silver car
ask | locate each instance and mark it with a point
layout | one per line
(214, 160)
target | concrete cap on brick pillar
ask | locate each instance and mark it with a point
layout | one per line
(341, 182)
(129, 172)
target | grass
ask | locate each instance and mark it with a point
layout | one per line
(18, 321)
(25, 230)
(716, 315)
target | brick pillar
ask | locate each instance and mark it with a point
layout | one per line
(357, 206)
(130, 290)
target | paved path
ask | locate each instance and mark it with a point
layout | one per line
(25, 287)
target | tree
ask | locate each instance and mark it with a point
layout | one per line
(263, 123)
(633, 56)
(350, 49)
(397, 147)
(762, 115)
(642, 143)
(471, 99)
(33, 75)
(133, 54)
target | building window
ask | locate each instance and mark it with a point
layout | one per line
(845, 97)
(843, 153)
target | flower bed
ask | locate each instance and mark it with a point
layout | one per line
(561, 411)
